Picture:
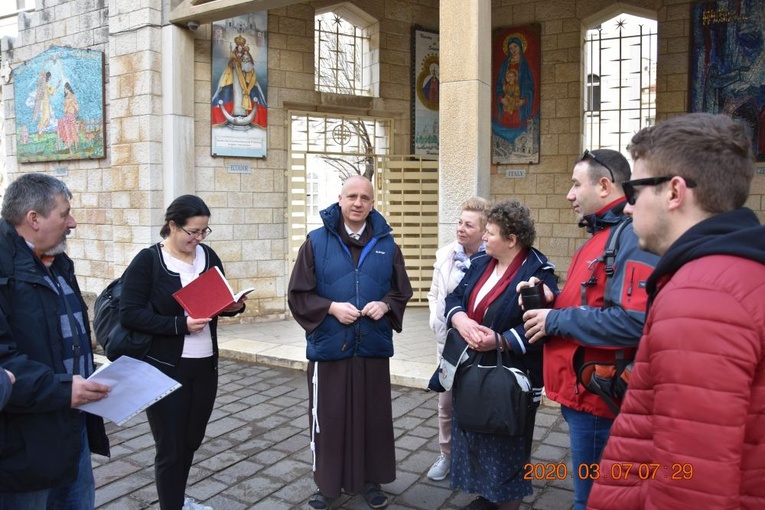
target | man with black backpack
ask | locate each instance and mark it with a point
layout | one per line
(595, 325)
(45, 442)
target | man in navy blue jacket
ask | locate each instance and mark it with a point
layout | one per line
(45, 441)
(348, 290)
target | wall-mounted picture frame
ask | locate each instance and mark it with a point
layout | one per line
(238, 106)
(515, 71)
(727, 64)
(60, 106)
(425, 91)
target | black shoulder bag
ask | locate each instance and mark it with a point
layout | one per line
(116, 339)
(492, 399)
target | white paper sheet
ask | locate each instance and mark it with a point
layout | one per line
(135, 386)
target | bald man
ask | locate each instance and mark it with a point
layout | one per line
(349, 290)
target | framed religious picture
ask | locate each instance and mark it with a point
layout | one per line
(727, 67)
(425, 85)
(238, 106)
(515, 71)
(60, 106)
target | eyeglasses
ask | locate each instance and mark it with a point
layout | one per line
(588, 154)
(202, 234)
(629, 186)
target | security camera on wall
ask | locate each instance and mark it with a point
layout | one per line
(192, 25)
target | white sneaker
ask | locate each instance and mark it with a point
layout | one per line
(191, 504)
(440, 468)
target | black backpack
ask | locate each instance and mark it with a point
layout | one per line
(110, 334)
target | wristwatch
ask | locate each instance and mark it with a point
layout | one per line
(388, 305)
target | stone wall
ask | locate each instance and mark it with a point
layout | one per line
(564, 25)
(252, 209)
(79, 24)
(545, 186)
(119, 200)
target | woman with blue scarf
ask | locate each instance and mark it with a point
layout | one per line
(452, 262)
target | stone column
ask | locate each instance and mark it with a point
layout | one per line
(135, 127)
(464, 107)
(177, 111)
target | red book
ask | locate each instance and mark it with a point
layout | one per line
(208, 295)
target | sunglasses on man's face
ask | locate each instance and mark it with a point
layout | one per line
(630, 192)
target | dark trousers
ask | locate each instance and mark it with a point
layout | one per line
(178, 424)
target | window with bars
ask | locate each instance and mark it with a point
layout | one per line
(620, 81)
(312, 194)
(344, 57)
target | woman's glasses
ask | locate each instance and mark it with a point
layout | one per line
(201, 234)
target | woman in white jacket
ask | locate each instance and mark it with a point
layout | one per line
(452, 261)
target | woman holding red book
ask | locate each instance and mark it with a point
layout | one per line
(185, 348)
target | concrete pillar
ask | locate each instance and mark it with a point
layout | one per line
(464, 107)
(177, 112)
(135, 167)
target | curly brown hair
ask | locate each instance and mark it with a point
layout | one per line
(513, 218)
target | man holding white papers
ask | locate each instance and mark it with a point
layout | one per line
(183, 348)
(45, 443)
(348, 290)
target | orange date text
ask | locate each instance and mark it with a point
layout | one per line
(616, 471)
(545, 471)
(641, 471)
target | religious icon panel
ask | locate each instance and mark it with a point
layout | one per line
(515, 95)
(238, 107)
(60, 105)
(425, 83)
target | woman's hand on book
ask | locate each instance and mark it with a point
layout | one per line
(196, 325)
(236, 306)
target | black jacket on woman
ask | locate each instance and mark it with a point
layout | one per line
(504, 315)
(165, 319)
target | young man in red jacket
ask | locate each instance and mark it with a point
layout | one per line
(691, 433)
(596, 316)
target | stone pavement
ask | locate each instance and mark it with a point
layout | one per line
(282, 343)
(256, 455)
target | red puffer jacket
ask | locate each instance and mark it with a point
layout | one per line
(691, 433)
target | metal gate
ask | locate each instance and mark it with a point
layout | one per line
(406, 186)
(620, 87)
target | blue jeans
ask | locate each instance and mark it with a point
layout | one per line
(588, 435)
(79, 495)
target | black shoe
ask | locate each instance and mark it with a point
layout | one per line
(481, 503)
(375, 497)
(319, 501)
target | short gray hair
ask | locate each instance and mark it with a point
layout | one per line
(32, 192)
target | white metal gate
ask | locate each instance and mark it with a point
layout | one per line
(406, 185)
